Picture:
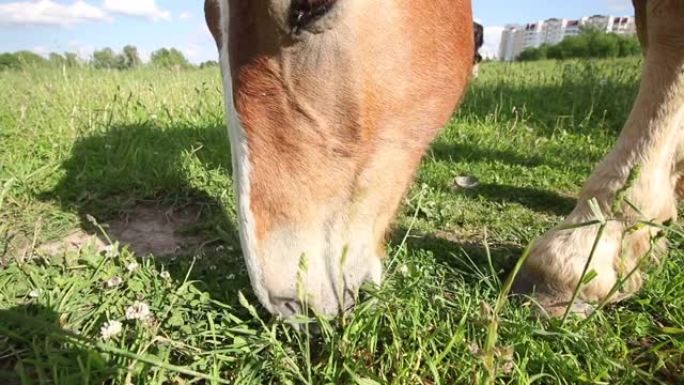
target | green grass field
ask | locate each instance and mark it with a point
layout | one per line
(87, 151)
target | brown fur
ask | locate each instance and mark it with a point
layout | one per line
(312, 133)
(212, 15)
(650, 141)
(337, 113)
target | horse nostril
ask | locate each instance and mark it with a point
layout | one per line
(286, 307)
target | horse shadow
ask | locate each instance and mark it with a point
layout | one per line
(110, 175)
(539, 200)
(163, 192)
(473, 260)
(33, 347)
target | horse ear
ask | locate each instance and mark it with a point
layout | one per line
(642, 28)
(212, 15)
(478, 31)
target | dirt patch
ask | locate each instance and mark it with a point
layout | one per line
(72, 243)
(144, 229)
(156, 231)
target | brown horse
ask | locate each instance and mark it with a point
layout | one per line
(332, 104)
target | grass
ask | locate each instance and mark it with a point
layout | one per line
(82, 146)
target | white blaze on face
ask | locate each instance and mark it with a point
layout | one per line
(241, 166)
(320, 259)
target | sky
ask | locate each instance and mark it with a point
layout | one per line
(82, 26)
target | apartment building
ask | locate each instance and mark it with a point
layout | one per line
(511, 42)
(517, 37)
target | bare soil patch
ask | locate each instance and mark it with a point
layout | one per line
(145, 230)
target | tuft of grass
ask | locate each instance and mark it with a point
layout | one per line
(87, 143)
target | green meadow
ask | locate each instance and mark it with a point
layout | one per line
(120, 261)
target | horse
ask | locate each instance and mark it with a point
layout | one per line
(331, 105)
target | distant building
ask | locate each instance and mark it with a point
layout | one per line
(511, 42)
(515, 38)
(554, 30)
(533, 36)
(572, 28)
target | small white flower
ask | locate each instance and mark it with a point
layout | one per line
(403, 270)
(231, 276)
(35, 293)
(111, 251)
(110, 329)
(165, 275)
(133, 266)
(113, 282)
(138, 311)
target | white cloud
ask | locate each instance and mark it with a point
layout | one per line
(51, 12)
(185, 15)
(48, 12)
(139, 8)
(492, 39)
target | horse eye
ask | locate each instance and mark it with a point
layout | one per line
(304, 12)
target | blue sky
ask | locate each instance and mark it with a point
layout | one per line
(84, 25)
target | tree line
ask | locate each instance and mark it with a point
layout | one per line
(589, 43)
(105, 58)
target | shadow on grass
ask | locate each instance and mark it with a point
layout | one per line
(541, 201)
(465, 256)
(160, 172)
(35, 349)
(459, 152)
(110, 171)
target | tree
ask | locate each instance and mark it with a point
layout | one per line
(56, 59)
(209, 64)
(9, 61)
(131, 58)
(169, 57)
(628, 47)
(105, 58)
(27, 59)
(71, 59)
(556, 52)
(30, 59)
(575, 47)
(590, 43)
(531, 54)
